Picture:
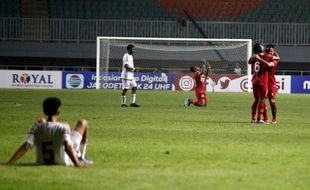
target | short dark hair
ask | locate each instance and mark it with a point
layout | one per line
(130, 46)
(257, 48)
(51, 106)
(269, 46)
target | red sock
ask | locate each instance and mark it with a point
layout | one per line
(265, 112)
(254, 109)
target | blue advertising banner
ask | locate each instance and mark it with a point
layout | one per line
(145, 81)
(300, 84)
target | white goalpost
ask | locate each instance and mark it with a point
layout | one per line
(172, 55)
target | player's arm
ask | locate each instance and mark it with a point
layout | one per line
(129, 68)
(269, 64)
(126, 65)
(276, 56)
(205, 69)
(19, 153)
(252, 59)
(72, 154)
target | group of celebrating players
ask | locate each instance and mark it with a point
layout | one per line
(264, 61)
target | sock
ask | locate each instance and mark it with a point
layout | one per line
(83, 150)
(133, 98)
(273, 110)
(265, 113)
(123, 100)
(254, 109)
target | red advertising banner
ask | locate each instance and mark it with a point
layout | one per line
(227, 83)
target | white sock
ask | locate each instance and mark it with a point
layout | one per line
(133, 98)
(83, 150)
(123, 100)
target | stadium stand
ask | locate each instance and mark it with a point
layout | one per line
(210, 9)
(242, 10)
(117, 9)
(44, 30)
(282, 11)
(10, 8)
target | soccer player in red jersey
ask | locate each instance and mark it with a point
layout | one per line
(261, 62)
(272, 87)
(200, 76)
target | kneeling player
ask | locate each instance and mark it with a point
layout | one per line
(200, 76)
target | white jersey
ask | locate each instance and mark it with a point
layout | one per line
(127, 74)
(48, 139)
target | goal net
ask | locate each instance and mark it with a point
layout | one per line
(172, 55)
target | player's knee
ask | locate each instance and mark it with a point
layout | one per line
(124, 92)
(134, 90)
(82, 124)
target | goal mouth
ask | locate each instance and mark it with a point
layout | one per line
(173, 54)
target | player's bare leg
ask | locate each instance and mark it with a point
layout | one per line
(273, 107)
(265, 114)
(82, 127)
(203, 102)
(123, 98)
(254, 109)
(133, 97)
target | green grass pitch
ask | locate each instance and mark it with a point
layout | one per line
(163, 145)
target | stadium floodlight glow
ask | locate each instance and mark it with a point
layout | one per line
(172, 55)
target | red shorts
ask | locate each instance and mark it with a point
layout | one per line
(272, 92)
(260, 91)
(201, 96)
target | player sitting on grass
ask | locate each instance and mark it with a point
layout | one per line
(54, 141)
(200, 76)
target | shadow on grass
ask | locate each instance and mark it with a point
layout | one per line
(212, 121)
(29, 165)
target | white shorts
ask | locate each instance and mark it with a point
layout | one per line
(127, 83)
(76, 139)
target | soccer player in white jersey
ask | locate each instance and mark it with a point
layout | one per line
(128, 79)
(54, 141)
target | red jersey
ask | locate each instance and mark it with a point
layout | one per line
(201, 82)
(260, 76)
(271, 74)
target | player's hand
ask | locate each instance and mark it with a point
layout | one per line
(208, 66)
(137, 69)
(204, 61)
